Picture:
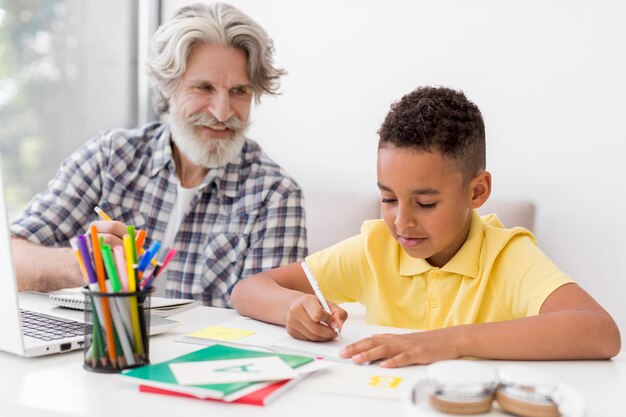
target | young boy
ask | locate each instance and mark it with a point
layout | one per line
(474, 287)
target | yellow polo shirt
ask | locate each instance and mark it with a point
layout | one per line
(498, 274)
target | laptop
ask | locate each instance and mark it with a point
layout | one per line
(34, 333)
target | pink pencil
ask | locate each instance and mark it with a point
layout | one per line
(168, 258)
(147, 282)
(120, 260)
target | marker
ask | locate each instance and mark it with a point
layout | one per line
(317, 291)
(139, 239)
(147, 282)
(148, 256)
(120, 260)
(79, 258)
(129, 244)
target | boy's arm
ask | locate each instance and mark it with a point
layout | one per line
(284, 296)
(571, 325)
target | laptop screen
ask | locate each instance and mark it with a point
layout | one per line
(10, 327)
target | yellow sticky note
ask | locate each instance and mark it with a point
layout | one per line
(221, 333)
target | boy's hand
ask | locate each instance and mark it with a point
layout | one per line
(307, 320)
(395, 350)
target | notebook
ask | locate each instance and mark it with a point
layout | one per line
(159, 306)
(55, 334)
(161, 375)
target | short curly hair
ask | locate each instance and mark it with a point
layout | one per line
(438, 119)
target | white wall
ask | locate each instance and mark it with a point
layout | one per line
(549, 77)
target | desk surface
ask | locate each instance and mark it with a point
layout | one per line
(58, 385)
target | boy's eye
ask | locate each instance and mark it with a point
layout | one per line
(427, 206)
(388, 200)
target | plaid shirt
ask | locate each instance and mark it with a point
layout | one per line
(246, 217)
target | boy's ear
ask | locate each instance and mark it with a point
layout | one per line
(479, 189)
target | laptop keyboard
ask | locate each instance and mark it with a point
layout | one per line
(44, 327)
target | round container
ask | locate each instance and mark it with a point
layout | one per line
(116, 330)
(461, 387)
(527, 392)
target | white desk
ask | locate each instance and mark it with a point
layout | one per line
(59, 386)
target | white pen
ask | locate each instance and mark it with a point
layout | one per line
(317, 291)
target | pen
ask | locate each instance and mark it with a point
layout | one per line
(148, 256)
(317, 291)
(105, 216)
(147, 282)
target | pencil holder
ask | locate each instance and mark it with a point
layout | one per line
(116, 330)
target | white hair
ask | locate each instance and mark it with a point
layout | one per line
(220, 24)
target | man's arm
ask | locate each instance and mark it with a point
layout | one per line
(571, 325)
(40, 268)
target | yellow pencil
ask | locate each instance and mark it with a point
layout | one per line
(134, 308)
(102, 213)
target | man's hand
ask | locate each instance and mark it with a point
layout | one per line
(395, 350)
(307, 320)
(112, 231)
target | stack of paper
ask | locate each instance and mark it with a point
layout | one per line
(224, 373)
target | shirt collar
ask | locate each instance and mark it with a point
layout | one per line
(464, 262)
(226, 178)
(162, 151)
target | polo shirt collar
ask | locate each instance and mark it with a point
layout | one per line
(464, 262)
(226, 178)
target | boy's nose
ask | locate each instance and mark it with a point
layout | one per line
(404, 218)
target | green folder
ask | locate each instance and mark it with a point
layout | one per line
(159, 374)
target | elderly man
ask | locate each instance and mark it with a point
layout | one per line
(193, 182)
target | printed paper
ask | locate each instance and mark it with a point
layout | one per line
(269, 368)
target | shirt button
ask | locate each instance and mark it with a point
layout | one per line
(434, 274)
(433, 303)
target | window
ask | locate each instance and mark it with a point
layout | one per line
(68, 69)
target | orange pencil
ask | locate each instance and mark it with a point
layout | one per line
(139, 239)
(97, 257)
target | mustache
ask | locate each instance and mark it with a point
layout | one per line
(204, 119)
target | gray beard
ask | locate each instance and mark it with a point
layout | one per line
(206, 152)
